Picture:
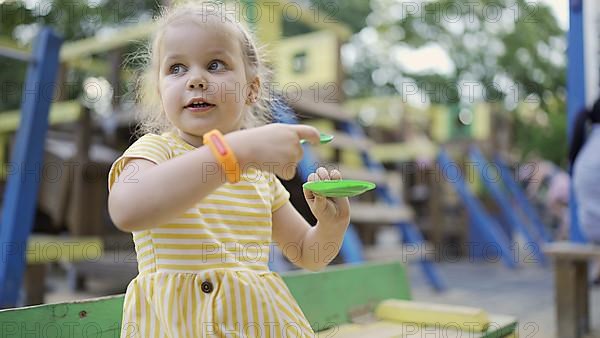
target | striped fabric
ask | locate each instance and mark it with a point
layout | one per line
(206, 274)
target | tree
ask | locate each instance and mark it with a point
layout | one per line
(74, 20)
(502, 51)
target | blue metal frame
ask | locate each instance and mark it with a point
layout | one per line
(522, 201)
(508, 211)
(410, 233)
(20, 196)
(482, 223)
(575, 93)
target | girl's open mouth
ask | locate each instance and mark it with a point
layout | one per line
(199, 106)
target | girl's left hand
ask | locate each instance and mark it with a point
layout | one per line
(328, 210)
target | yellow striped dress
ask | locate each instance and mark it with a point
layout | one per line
(206, 274)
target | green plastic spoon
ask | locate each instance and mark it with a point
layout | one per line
(324, 138)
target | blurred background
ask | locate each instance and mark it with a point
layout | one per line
(456, 109)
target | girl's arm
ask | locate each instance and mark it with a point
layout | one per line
(310, 248)
(313, 248)
(154, 194)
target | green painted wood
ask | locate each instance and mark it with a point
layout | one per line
(328, 297)
(98, 317)
(500, 326)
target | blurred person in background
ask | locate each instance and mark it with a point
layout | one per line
(584, 156)
(547, 186)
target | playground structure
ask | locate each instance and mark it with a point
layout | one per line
(358, 157)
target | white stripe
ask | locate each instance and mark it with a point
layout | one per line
(252, 185)
(237, 268)
(188, 290)
(283, 303)
(221, 260)
(231, 303)
(152, 310)
(260, 299)
(142, 323)
(175, 283)
(195, 241)
(221, 200)
(198, 325)
(143, 251)
(250, 251)
(258, 239)
(194, 221)
(165, 304)
(238, 305)
(243, 197)
(212, 278)
(224, 217)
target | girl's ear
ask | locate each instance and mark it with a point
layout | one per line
(253, 91)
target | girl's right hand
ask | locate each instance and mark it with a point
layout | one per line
(274, 147)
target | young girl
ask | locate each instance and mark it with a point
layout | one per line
(201, 196)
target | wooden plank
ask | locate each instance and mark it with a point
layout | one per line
(325, 297)
(404, 151)
(401, 253)
(363, 212)
(565, 299)
(98, 317)
(328, 297)
(60, 112)
(571, 250)
(48, 248)
(583, 297)
(306, 104)
(358, 173)
(344, 141)
(103, 43)
(501, 327)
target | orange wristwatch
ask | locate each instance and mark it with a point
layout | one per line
(216, 142)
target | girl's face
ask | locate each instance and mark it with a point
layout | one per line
(202, 80)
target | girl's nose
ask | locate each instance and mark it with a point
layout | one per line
(197, 83)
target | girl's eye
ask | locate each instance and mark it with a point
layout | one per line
(216, 65)
(177, 68)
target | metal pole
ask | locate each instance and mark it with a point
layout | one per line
(575, 94)
(20, 196)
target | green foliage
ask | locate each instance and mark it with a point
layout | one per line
(74, 20)
(547, 140)
(513, 50)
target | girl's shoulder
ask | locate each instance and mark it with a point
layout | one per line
(153, 145)
(166, 145)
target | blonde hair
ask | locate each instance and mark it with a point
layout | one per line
(150, 114)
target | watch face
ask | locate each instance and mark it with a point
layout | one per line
(339, 188)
